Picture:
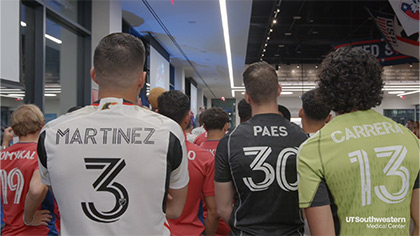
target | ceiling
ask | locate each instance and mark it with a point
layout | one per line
(306, 30)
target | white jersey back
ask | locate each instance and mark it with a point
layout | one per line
(110, 166)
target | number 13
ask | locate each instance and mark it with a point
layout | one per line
(393, 168)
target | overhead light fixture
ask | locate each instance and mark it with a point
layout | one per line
(298, 66)
(262, 55)
(271, 30)
(316, 66)
(55, 40)
(16, 95)
(243, 93)
(281, 46)
(274, 21)
(395, 92)
(268, 38)
(50, 95)
(225, 24)
(286, 93)
(23, 24)
(278, 10)
(264, 50)
(287, 33)
(297, 17)
(265, 45)
(407, 93)
(411, 65)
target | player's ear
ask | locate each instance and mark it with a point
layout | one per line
(328, 118)
(226, 127)
(247, 98)
(93, 74)
(279, 90)
(141, 79)
(185, 121)
(300, 112)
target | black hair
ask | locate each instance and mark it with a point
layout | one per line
(215, 118)
(286, 113)
(244, 110)
(174, 104)
(350, 80)
(313, 107)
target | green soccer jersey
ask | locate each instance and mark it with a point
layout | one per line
(367, 165)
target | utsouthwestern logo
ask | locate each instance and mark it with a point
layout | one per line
(411, 8)
(373, 222)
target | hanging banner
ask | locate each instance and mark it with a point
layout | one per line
(381, 50)
(394, 33)
(407, 12)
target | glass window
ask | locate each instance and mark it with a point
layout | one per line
(61, 66)
(68, 8)
(399, 115)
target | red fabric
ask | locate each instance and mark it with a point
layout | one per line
(211, 146)
(18, 163)
(201, 172)
(200, 139)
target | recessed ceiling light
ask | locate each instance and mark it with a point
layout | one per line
(298, 66)
(271, 30)
(274, 21)
(316, 67)
(262, 55)
(265, 45)
(297, 17)
(264, 50)
(281, 46)
(287, 33)
(268, 38)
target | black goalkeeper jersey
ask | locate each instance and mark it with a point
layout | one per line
(259, 157)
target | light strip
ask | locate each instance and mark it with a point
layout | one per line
(407, 93)
(50, 95)
(395, 92)
(55, 40)
(23, 24)
(225, 24)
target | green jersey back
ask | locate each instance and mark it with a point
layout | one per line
(369, 164)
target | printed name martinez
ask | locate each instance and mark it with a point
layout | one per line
(136, 135)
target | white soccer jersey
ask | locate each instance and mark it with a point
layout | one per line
(110, 166)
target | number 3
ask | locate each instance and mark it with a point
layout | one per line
(104, 184)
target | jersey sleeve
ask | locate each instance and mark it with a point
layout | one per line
(208, 186)
(42, 159)
(222, 168)
(177, 158)
(312, 189)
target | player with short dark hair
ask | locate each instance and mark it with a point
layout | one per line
(244, 110)
(362, 163)
(314, 113)
(256, 164)
(176, 105)
(112, 164)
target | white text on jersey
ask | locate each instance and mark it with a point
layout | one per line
(24, 154)
(270, 131)
(364, 131)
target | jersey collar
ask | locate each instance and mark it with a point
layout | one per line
(106, 102)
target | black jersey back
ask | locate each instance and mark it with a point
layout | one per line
(259, 157)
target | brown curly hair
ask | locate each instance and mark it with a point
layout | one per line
(350, 79)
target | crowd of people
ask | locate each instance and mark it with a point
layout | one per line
(117, 168)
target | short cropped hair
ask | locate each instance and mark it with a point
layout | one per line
(174, 104)
(215, 118)
(313, 107)
(118, 59)
(261, 82)
(244, 110)
(27, 119)
(350, 80)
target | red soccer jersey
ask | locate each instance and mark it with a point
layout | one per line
(18, 163)
(201, 171)
(200, 139)
(211, 146)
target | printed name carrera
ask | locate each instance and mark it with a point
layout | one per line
(136, 135)
(365, 131)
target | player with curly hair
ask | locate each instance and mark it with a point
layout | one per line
(363, 164)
